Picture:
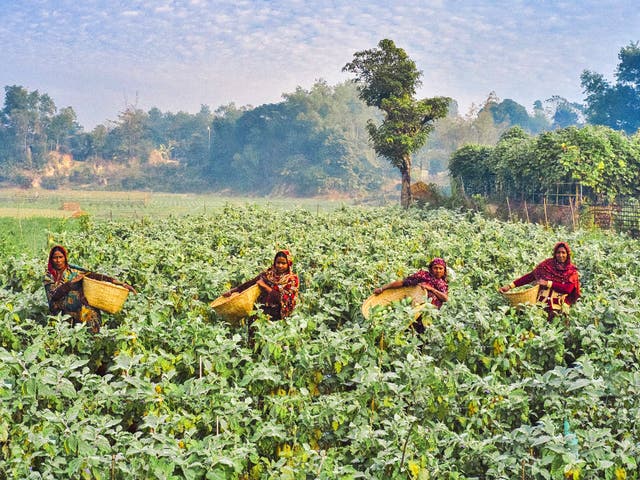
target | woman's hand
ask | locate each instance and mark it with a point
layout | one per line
(505, 288)
(229, 293)
(378, 291)
(78, 277)
(543, 283)
(130, 288)
(261, 283)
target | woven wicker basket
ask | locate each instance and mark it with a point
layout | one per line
(105, 296)
(237, 306)
(393, 295)
(529, 295)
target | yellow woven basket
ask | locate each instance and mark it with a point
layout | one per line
(417, 294)
(237, 306)
(527, 296)
(105, 296)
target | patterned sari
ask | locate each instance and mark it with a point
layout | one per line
(424, 277)
(66, 297)
(281, 300)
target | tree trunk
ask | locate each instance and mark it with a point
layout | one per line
(405, 192)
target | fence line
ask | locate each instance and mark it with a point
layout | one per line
(623, 216)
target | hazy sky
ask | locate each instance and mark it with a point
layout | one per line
(100, 55)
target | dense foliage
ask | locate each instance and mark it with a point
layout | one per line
(605, 162)
(313, 142)
(168, 391)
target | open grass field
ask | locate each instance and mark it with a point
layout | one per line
(18, 203)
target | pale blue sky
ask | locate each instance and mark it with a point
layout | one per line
(99, 55)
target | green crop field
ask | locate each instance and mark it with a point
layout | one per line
(168, 391)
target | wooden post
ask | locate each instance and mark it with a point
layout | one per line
(546, 219)
(509, 208)
(526, 211)
(573, 216)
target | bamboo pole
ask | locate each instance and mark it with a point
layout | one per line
(546, 219)
(526, 211)
(509, 208)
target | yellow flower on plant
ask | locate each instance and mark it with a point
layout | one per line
(621, 473)
(572, 474)
(414, 469)
(337, 366)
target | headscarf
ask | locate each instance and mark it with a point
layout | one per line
(439, 284)
(280, 278)
(285, 284)
(551, 269)
(56, 274)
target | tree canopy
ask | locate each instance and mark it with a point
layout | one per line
(615, 105)
(387, 79)
(605, 162)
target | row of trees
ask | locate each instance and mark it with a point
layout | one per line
(328, 138)
(313, 141)
(604, 162)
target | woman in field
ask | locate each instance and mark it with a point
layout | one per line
(63, 285)
(558, 279)
(278, 285)
(433, 281)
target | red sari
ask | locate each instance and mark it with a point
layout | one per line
(564, 278)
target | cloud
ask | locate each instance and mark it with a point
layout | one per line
(251, 51)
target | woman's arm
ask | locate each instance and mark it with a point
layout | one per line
(443, 296)
(56, 293)
(395, 284)
(564, 288)
(525, 279)
(243, 286)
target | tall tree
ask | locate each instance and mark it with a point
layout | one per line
(564, 113)
(618, 105)
(25, 118)
(387, 79)
(62, 127)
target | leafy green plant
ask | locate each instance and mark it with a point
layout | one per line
(168, 390)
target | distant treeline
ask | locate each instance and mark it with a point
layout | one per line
(312, 142)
